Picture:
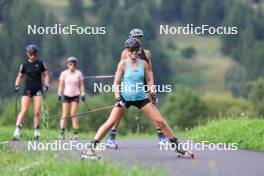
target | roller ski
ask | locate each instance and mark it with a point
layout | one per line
(61, 137)
(183, 153)
(15, 138)
(90, 154)
(74, 137)
(111, 143)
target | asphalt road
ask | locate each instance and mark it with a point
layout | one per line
(147, 153)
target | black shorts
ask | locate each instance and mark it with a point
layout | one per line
(32, 92)
(67, 99)
(138, 103)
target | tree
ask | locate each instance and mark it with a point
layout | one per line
(241, 16)
(96, 5)
(105, 12)
(191, 11)
(255, 61)
(52, 49)
(4, 8)
(76, 9)
(212, 12)
(171, 10)
(21, 15)
(236, 80)
(259, 25)
(188, 52)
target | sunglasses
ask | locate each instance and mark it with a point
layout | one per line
(134, 49)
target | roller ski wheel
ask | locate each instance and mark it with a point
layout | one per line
(185, 154)
(15, 138)
(74, 138)
(112, 146)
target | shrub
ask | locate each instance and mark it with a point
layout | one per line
(184, 108)
(188, 52)
(226, 105)
(257, 96)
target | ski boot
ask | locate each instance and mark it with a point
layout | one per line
(37, 134)
(17, 134)
(163, 141)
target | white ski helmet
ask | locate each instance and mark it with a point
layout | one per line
(136, 33)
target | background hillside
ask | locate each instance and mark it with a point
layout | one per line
(212, 75)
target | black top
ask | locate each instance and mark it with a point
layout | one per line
(143, 56)
(33, 71)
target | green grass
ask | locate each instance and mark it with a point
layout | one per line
(46, 134)
(247, 133)
(45, 163)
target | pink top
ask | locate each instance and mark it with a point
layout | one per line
(71, 82)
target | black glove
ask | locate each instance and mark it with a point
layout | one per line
(59, 98)
(16, 89)
(83, 98)
(155, 99)
(45, 88)
(121, 102)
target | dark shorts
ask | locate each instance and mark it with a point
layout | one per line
(32, 92)
(138, 103)
(67, 99)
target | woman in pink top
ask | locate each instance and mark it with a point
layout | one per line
(71, 87)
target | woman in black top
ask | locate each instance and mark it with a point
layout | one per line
(33, 70)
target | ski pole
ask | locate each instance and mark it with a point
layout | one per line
(16, 105)
(91, 111)
(99, 77)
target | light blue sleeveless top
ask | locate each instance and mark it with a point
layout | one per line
(132, 85)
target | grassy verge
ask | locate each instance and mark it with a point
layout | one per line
(47, 163)
(247, 133)
(46, 134)
(44, 163)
